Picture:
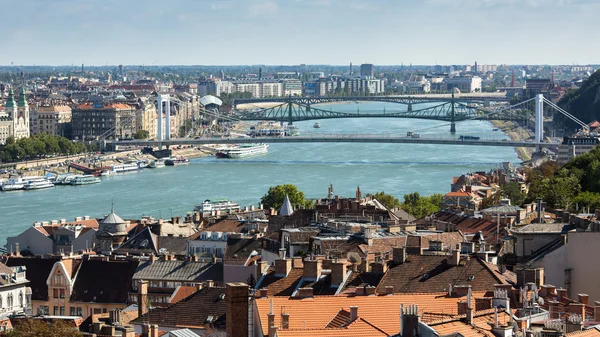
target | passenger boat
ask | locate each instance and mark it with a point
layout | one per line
(177, 161)
(292, 130)
(242, 150)
(65, 179)
(122, 168)
(38, 183)
(317, 125)
(157, 163)
(222, 205)
(13, 184)
(85, 180)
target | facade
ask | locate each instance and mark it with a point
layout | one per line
(208, 243)
(53, 120)
(93, 120)
(465, 84)
(14, 122)
(367, 70)
(15, 295)
(572, 147)
(292, 87)
(534, 86)
(147, 118)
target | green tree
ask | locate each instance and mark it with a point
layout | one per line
(513, 192)
(39, 328)
(141, 134)
(420, 206)
(10, 140)
(387, 200)
(276, 194)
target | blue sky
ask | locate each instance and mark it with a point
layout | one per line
(222, 32)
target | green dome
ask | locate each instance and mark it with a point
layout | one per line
(10, 101)
(22, 98)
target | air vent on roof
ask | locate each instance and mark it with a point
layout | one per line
(471, 277)
(222, 296)
(425, 276)
(209, 319)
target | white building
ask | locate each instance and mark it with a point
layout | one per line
(465, 84)
(573, 147)
(15, 296)
(208, 244)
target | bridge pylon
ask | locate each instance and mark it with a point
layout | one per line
(453, 116)
(410, 107)
(290, 111)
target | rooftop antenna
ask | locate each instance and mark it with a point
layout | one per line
(112, 206)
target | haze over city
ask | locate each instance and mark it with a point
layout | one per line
(99, 32)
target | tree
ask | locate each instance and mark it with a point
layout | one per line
(141, 134)
(420, 206)
(513, 192)
(387, 200)
(39, 328)
(276, 194)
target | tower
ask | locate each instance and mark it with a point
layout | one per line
(21, 119)
(11, 105)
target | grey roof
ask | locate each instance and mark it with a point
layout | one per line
(286, 208)
(112, 218)
(179, 271)
(536, 228)
(182, 333)
(502, 209)
(210, 99)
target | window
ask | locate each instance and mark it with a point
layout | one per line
(43, 310)
(21, 299)
(79, 311)
(55, 311)
(97, 311)
(55, 293)
(72, 311)
(62, 311)
(62, 293)
(0, 302)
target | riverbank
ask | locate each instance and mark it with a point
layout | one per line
(516, 133)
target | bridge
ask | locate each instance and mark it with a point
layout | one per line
(330, 138)
(482, 98)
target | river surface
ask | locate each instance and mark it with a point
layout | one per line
(397, 169)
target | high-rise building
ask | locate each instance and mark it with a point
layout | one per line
(367, 70)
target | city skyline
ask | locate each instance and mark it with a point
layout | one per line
(260, 32)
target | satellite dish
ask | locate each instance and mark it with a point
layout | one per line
(354, 257)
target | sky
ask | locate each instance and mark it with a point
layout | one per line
(290, 32)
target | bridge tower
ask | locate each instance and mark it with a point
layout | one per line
(453, 116)
(164, 131)
(539, 120)
(290, 112)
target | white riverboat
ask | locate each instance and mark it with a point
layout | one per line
(38, 184)
(157, 163)
(242, 150)
(85, 180)
(222, 205)
(317, 125)
(14, 184)
(122, 168)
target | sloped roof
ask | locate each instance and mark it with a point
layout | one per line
(191, 312)
(360, 327)
(432, 273)
(37, 273)
(286, 208)
(103, 281)
(112, 218)
(177, 270)
(210, 99)
(173, 244)
(142, 242)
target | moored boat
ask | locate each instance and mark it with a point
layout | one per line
(157, 163)
(38, 183)
(176, 161)
(122, 168)
(13, 184)
(85, 180)
(317, 125)
(242, 150)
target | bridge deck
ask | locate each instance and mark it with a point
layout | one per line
(335, 138)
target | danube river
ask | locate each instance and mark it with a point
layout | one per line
(394, 168)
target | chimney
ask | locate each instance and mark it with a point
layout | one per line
(561, 292)
(312, 269)
(154, 330)
(454, 259)
(470, 311)
(145, 330)
(578, 309)
(338, 273)
(353, 313)
(547, 290)
(399, 255)
(410, 321)
(263, 292)
(596, 311)
(270, 318)
(483, 303)
(539, 210)
(17, 249)
(297, 262)
(260, 267)
(236, 296)
(285, 321)
(282, 252)
(283, 267)
(305, 292)
(142, 299)
(379, 267)
(115, 317)
(583, 298)
(272, 331)
(388, 290)
(370, 290)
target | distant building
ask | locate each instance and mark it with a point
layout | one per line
(465, 84)
(534, 86)
(14, 121)
(572, 147)
(53, 120)
(367, 70)
(92, 120)
(15, 295)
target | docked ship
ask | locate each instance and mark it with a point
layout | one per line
(177, 161)
(38, 183)
(222, 205)
(291, 130)
(13, 184)
(122, 168)
(65, 179)
(242, 150)
(317, 125)
(157, 163)
(84, 180)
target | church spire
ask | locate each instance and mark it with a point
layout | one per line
(22, 98)
(10, 101)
